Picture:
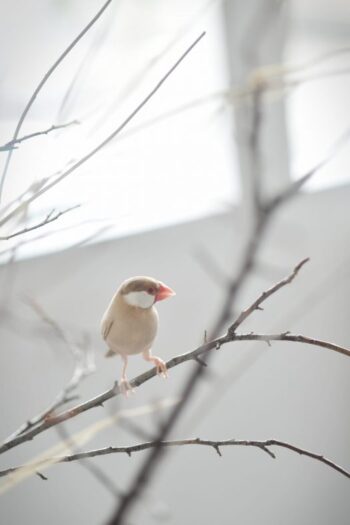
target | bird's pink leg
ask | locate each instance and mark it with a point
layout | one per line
(125, 386)
(157, 361)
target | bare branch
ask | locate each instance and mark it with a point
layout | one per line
(51, 217)
(82, 368)
(43, 82)
(81, 242)
(256, 175)
(256, 304)
(286, 336)
(12, 144)
(81, 438)
(97, 401)
(108, 139)
(216, 445)
(293, 189)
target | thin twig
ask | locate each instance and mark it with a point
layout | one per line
(292, 190)
(216, 445)
(81, 242)
(43, 82)
(256, 304)
(287, 336)
(51, 217)
(12, 144)
(82, 368)
(136, 79)
(108, 139)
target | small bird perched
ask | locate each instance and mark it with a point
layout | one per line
(130, 323)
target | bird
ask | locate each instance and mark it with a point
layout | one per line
(130, 323)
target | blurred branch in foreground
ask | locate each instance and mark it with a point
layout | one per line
(48, 457)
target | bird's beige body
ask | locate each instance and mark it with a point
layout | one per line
(128, 330)
(130, 323)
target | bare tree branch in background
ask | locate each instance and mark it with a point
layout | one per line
(150, 65)
(13, 144)
(43, 82)
(81, 242)
(84, 366)
(273, 78)
(216, 445)
(51, 217)
(108, 139)
(265, 295)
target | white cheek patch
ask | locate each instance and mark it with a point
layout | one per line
(140, 299)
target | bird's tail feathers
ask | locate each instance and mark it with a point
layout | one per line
(110, 353)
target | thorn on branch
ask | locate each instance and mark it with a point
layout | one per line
(256, 305)
(41, 475)
(268, 451)
(217, 448)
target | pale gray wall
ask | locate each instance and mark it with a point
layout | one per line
(293, 393)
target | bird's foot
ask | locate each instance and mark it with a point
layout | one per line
(161, 367)
(125, 387)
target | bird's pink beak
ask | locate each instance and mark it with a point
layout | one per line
(164, 292)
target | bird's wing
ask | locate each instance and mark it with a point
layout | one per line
(106, 326)
(110, 353)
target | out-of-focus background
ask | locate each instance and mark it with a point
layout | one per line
(171, 197)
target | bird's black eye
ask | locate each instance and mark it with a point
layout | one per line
(151, 290)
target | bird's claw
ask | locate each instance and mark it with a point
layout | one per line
(162, 370)
(125, 387)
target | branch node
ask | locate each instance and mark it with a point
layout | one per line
(200, 361)
(268, 451)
